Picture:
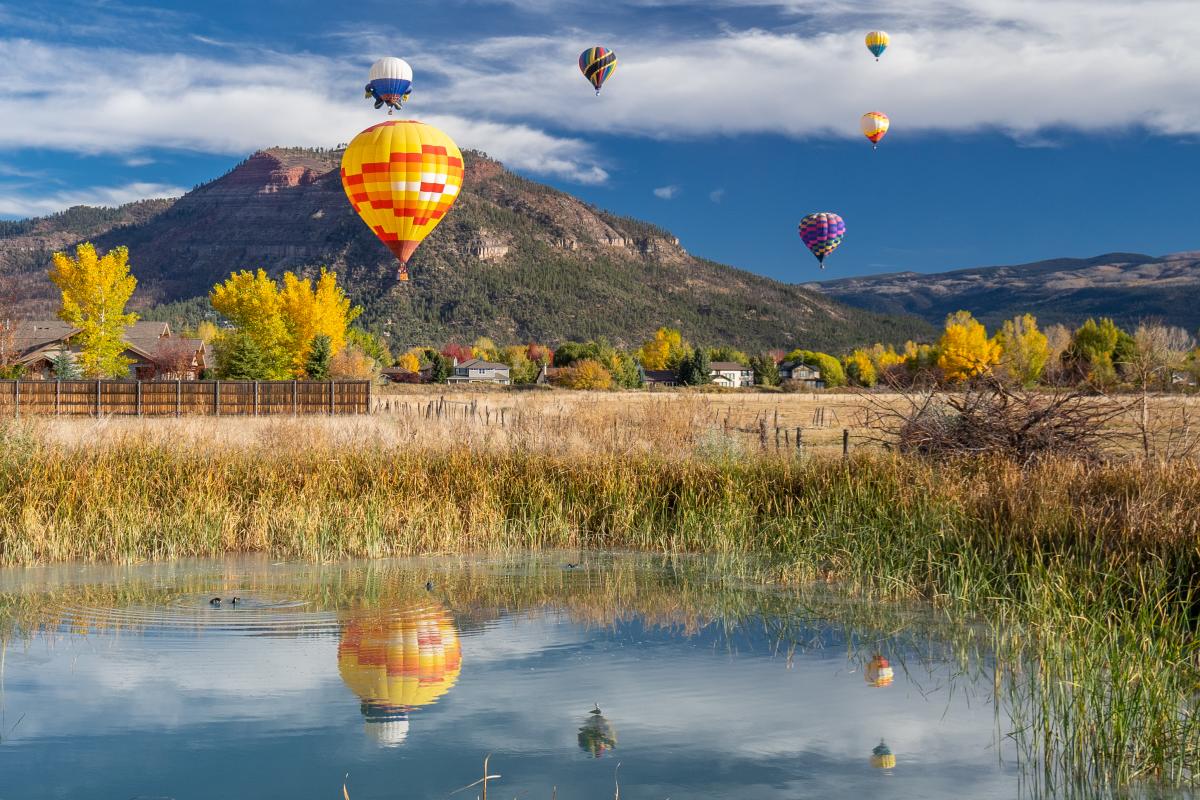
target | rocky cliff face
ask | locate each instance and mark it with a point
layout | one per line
(1128, 287)
(515, 260)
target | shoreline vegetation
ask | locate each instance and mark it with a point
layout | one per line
(1087, 574)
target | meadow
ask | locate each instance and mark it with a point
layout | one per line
(1088, 574)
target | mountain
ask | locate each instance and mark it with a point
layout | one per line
(514, 260)
(1128, 287)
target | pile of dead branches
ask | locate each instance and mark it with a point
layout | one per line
(995, 419)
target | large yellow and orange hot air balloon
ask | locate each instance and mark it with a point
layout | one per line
(875, 125)
(398, 663)
(402, 176)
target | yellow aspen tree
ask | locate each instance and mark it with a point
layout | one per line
(965, 351)
(251, 301)
(410, 362)
(311, 310)
(663, 351)
(1024, 350)
(860, 369)
(94, 291)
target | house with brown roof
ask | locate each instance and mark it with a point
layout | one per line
(153, 351)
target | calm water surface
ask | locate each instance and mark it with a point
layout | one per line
(129, 682)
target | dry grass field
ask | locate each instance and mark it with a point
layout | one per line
(666, 423)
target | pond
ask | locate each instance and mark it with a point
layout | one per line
(397, 678)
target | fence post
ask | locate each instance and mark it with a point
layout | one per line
(256, 398)
(845, 442)
(331, 406)
(178, 398)
(138, 401)
(17, 398)
(799, 442)
(97, 398)
(370, 410)
(217, 398)
(57, 397)
(295, 397)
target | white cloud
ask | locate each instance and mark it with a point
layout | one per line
(137, 102)
(666, 192)
(954, 65)
(716, 195)
(22, 201)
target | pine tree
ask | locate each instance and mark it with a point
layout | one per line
(701, 369)
(64, 366)
(240, 358)
(317, 365)
(439, 369)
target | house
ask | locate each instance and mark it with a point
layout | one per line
(731, 374)
(805, 374)
(153, 351)
(476, 370)
(652, 378)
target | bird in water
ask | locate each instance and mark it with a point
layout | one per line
(235, 601)
(596, 710)
(571, 566)
(216, 601)
(429, 586)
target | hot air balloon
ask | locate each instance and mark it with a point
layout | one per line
(877, 42)
(402, 176)
(390, 83)
(882, 756)
(398, 663)
(879, 672)
(822, 233)
(597, 64)
(874, 126)
(597, 735)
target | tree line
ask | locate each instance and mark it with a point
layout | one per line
(303, 327)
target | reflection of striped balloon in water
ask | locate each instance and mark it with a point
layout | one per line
(882, 756)
(822, 233)
(877, 42)
(597, 64)
(398, 663)
(402, 176)
(879, 672)
(875, 125)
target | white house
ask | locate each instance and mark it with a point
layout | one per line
(731, 373)
(476, 370)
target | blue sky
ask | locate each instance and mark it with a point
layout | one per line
(1021, 130)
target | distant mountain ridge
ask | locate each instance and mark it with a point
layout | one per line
(514, 260)
(1129, 287)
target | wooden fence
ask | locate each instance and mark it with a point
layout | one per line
(183, 398)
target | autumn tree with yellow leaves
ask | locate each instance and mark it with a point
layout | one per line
(664, 351)
(965, 351)
(95, 290)
(285, 321)
(1024, 350)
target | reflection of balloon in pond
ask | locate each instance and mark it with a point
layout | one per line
(597, 735)
(882, 756)
(397, 663)
(879, 672)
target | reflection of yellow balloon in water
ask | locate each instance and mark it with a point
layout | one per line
(397, 663)
(882, 756)
(879, 672)
(597, 735)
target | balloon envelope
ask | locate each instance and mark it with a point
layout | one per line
(597, 64)
(390, 82)
(822, 233)
(875, 125)
(402, 176)
(877, 42)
